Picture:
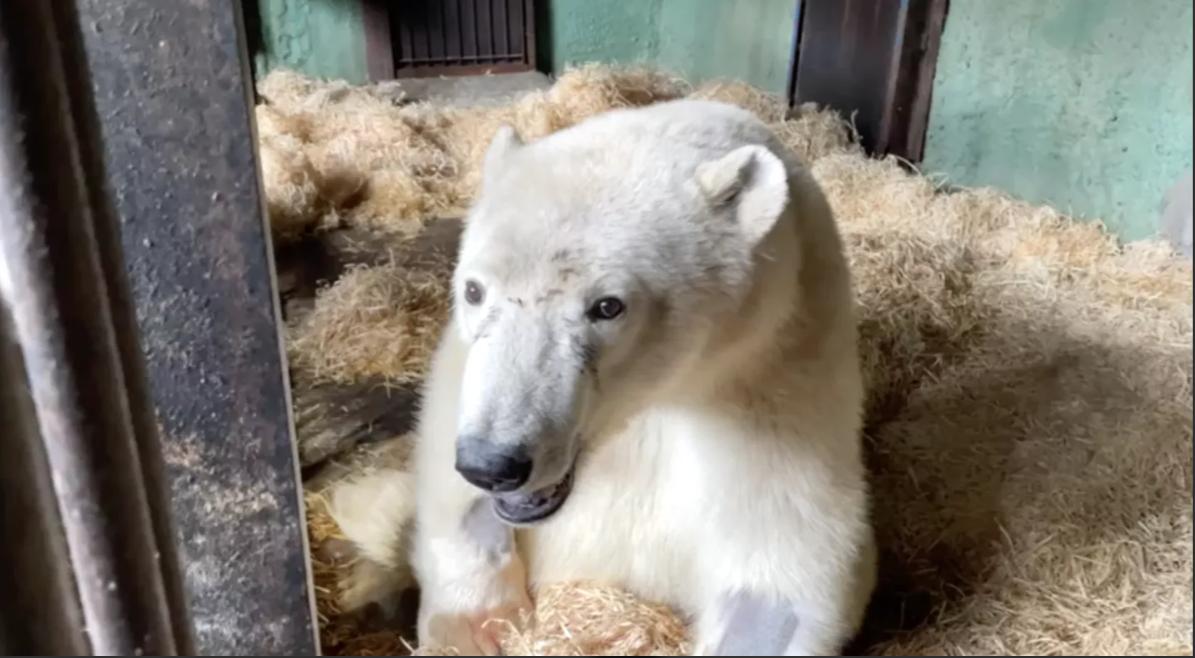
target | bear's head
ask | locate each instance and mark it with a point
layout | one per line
(596, 278)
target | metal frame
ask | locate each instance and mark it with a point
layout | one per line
(86, 534)
(140, 353)
(874, 59)
(173, 84)
(379, 47)
(385, 36)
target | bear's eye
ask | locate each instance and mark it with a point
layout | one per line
(474, 293)
(606, 308)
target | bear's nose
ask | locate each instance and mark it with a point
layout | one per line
(496, 469)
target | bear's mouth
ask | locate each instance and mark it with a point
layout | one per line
(526, 508)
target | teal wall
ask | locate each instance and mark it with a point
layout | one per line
(749, 40)
(323, 38)
(1084, 104)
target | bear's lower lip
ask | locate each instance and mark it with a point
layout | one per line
(532, 507)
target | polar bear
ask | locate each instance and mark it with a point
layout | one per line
(650, 380)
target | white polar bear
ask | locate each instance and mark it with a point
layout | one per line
(650, 380)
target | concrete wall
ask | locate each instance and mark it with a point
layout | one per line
(749, 40)
(1085, 104)
(323, 38)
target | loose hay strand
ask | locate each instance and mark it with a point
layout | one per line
(379, 322)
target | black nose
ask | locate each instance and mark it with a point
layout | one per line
(494, 468)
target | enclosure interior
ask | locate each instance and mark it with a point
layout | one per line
(1028, 412)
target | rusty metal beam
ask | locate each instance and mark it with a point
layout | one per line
(81, 513)
(172, 86)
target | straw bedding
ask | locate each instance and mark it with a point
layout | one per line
(1029, 412)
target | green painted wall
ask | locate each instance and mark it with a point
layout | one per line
(323, 38)
(749, 40)
(1085, 104)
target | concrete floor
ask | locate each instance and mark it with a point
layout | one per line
(472, 90)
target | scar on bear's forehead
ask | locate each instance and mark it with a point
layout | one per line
(561, 255)
(490, 317)
(548, 294)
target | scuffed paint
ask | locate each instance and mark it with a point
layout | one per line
(748, 40)
(322, 38)
(1084, 104)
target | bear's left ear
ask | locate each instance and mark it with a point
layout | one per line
(753, 181)
(505, 142)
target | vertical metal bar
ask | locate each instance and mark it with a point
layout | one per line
(460, 28)
(452, 33)
(425, 26)
(107, 236)
(516, 28)
(875, 59)
(445, 57)
(845, 59)
(493, 32)
(173, 87)
(37, 568)
(407, 41)
(529, 22)
(893, 78)
(795, 54)
(468, 37)
(379, 43)
(476, 29)
(435, 32)
(913, 77)
(501, 30)
(55, 285)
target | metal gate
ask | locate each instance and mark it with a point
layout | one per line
(461, 37)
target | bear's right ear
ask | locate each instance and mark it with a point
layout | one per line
(505, 142)
(752, 180)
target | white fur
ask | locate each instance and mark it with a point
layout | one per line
(718, 425)
(373, 510)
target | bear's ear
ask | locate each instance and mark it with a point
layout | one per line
(753, 181)
(505, 142)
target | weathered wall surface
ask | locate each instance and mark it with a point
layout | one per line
(1084, 104)
(324, 38)
(748, 40)
(745, 39)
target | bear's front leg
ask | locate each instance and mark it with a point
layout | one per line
(790, 609)
(779, 579)
(743, 623)
(473, 583)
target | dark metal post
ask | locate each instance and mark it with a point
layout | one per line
(874, 59)
(172, 87)
(41, 614)
(81, 516)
